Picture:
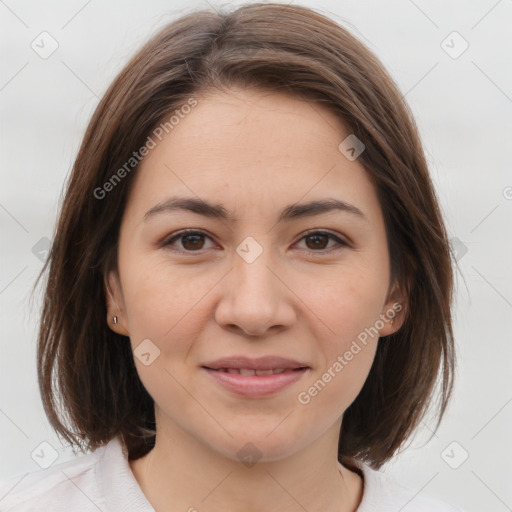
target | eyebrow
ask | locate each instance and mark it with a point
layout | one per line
(217, 211)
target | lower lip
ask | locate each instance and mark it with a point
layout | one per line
(253, 386)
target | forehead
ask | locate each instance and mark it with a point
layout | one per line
(254, 146)
(267, 123)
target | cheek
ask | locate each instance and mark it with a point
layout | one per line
(164, 307)
(346, 302)
(347, 335)
(346, 360)
(161, 301)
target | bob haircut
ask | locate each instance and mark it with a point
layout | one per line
(88, 381)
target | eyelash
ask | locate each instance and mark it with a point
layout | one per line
(169, 241)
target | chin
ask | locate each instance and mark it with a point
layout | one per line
(252, 445)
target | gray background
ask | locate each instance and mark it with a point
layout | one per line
(463, 107)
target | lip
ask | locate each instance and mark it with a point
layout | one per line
(255, 363)
(253, 386)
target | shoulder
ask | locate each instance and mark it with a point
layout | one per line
(382, 492)
(70, 484)
(101, 480)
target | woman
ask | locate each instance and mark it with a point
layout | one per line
(249, 293)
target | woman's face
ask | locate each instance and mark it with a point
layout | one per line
(262, 276)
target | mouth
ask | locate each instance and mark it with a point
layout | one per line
(255, 377)
(253, 371)
(248, 365)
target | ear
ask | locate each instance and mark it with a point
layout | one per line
(394, 311)
(115, 304)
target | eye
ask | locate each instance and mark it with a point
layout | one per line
(319, 240)
(192, 240)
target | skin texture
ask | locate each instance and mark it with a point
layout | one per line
(253, 152)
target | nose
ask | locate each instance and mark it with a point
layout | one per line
(256, 297)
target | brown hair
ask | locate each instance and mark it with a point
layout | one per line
(89, 385)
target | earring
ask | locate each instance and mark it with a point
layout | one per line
(115, 320)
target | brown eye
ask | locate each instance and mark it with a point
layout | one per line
(194, 241)
(318, 241)
(190, 240)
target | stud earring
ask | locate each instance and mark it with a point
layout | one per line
(115, 320)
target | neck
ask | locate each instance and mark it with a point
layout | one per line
(180, 473)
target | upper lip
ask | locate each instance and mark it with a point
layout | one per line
(259, 363)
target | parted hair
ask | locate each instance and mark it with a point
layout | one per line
(88, 381)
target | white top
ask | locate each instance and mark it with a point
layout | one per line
(102, 481)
